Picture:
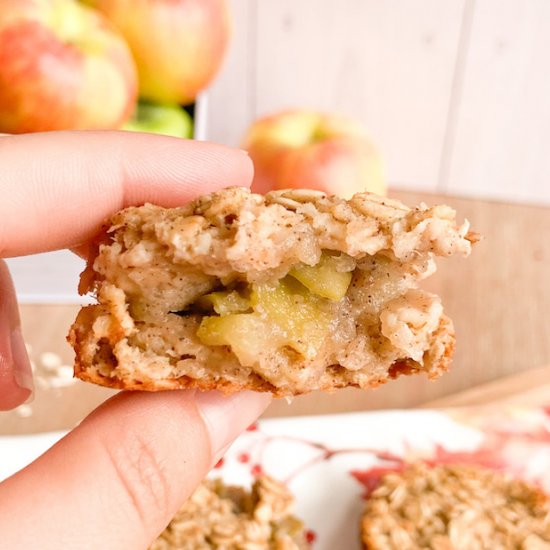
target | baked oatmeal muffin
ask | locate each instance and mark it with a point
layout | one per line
(288, 293)
(231, 518)
(455, 507)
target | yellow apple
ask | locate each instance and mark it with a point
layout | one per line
(178, 45)
(62, 66)
(308, 149)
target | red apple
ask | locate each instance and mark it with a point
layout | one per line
(306, 149)
(62, 66)
(178, 45)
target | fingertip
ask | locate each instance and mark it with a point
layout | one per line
(226, 416)
(12, 395)
(247, 167)
(15, 370)
(65, 198)
(13, 391)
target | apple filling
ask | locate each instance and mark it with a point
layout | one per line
(294, 311)
(342, 318)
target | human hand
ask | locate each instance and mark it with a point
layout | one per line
(117, 479)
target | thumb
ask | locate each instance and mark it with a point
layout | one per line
(118, 478)
(15, 369)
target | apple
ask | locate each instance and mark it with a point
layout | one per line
(178, 45)
(308, 149)
(169, 120)
(62, 66)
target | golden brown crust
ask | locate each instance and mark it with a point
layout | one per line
(399, 368)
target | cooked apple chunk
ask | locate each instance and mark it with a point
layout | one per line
(324, 278)
(289, 292)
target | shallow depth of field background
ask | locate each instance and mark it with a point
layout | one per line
(455, 93)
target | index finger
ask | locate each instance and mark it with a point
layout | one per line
(58, 187)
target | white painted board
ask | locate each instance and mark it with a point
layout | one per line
(501, 143)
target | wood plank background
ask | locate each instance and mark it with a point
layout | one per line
(501, 141)
(455, 94)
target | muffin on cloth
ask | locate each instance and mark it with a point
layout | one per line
(455, 507)
(232, 518)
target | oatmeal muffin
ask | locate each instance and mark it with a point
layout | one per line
(288, 293)
(231, 518)
(455, 507)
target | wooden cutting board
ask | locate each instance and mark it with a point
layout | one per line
(526, 389)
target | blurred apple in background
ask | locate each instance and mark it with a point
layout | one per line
(178, 45)
(307, 149)
(62, 65)
(169, 120)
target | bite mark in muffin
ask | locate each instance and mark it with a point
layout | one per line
(290, 292)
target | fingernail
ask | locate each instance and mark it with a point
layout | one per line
(220, 454)
(244, 152)
(22, 371)
(227, 416)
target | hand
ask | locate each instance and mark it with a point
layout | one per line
(117, 479)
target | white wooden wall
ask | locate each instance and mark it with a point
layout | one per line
(455, 93)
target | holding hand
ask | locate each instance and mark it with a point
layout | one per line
(116, 480)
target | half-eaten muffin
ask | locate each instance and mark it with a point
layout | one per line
(288, 293)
